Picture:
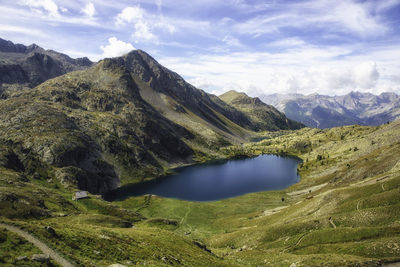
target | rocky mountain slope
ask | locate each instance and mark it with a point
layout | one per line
(28, 66)
(329, 111)
(263, 116)
(123, 120)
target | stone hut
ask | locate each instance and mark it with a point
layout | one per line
(80, 195)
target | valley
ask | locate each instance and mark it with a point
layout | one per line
(128, 119)
(344, 211)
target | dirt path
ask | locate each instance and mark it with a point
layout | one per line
(273, 211)
(39, 244)
(307, 190)
(332, 223)
(186, 215)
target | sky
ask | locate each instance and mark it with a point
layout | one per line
(258, 47)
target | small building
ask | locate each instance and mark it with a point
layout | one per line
(80, 195)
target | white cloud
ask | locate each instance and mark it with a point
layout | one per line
(143, 33)
(116, 48)
(21, 30)
(159, 5)
(231, 41)
(47, 5)
(129, 15)
(345, 16)
(385, 5)
(135, 16)
(365, 74)
(143, 23)
(166, 26)
(89, 9)
(355, 17)
(306, 69)
(288, 42)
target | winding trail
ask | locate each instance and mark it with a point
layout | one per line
(186, 215)
(39, 244)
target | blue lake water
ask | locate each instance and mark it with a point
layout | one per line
(214, 181)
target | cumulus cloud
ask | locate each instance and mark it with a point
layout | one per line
(116, 48)
(135, 15)
(365, 74)
(89, 9)
(306, 71)
(129, 15)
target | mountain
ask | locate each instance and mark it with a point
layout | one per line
(122, 120)
(28, 66)
(329, 111)
(264, 117)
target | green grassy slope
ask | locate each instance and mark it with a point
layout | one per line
(264, 117)
(343, 212)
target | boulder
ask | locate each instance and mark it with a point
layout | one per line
(40, 258)
(51, 230)
(21, 258)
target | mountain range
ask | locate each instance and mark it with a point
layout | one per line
(324, 111)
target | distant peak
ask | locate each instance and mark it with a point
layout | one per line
(233, 93)
(33, 46)
(84, 61)
(314, 94)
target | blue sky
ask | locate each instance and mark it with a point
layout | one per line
(260, 47)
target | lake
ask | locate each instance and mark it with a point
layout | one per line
(219, 180)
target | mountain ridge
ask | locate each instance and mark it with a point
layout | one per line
(28, 66)
(324, 111)
(263, 116)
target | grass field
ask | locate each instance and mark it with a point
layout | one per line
(345, 211)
